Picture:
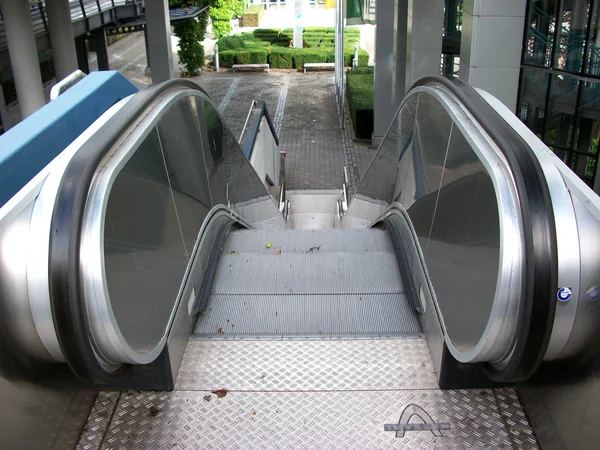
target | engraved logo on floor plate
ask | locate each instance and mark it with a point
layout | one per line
(415, 410)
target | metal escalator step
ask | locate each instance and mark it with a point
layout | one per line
(301, 241)
(308, 394)
(228, 315)
(308, 273)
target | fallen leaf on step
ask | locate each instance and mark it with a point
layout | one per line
(232, 252)
(318, 247)
(220, 331)
(220, 393)
(277, 251)
(203, 313)
(253, 413)
(268, 245)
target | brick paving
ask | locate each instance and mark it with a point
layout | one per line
(310, 133)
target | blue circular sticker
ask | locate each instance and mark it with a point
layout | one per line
(564, 294)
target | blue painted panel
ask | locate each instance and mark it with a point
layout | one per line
(29, 146)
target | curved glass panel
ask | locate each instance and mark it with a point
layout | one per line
(187, 164)
(450, 199)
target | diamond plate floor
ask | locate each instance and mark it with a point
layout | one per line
(307, 395)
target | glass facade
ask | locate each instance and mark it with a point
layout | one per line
(559, 94)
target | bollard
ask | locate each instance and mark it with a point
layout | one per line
(355, 60)
(217, 57)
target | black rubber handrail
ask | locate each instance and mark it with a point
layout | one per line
(541, 260)
(253, 128)
(66, 287)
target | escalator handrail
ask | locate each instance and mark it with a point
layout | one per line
(541, 260)
(253, 128)
(66, 284)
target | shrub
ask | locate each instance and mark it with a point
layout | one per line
(231, 43)
(238, 7)
(221, 13)
(251, 56)
(191, 33)
(311, 43)
(282, 41)
(281, 58)
(247, 36)
(360, 88)
(309, 55)
(266, 34)
(253, 16)
(227, 58)
(287, 33)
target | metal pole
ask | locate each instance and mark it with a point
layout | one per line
(23, 55)
(355, 60)
(217, 57)
(62, 38)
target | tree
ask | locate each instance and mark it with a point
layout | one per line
(191, 33)
(221, 13)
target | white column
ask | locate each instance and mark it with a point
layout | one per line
(399, 53)
(159, 39)
(62, 39)
(382, 110)
(490, 50)
(425, 25)
(23, 55)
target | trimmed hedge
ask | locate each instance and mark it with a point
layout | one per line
(360, 89)
(231, 43)
(251, 56)
(310, 55)
(253, 16)
(281, 58)
(227, 58)
(266, 34)
(273, 46)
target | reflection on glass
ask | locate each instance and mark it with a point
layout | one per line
(181, 144)
(561, 112)
(143, 250)
(464, 244)
(534, 87)
(572, 36)
(540, 33)
(430, 142)
(452, 205)
(593, 63)
(215, 152)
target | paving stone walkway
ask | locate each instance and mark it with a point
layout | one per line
(303, 107)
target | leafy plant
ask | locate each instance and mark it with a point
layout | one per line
(191, 33)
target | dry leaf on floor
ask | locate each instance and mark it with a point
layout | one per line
(220, 331)
(277, 251)
(220, 393)
(268, 245)
(318, 247)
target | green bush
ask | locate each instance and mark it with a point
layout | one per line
(362, 70)
(231, 43)
(247, 36)
(282, 41)
(360, 89)
(253, 16)
(266, 34)
(255, 44)
(238, 7)
(191, 33)
(281, 58)
(287, 33)
(363, 56)
(309, 55)
(311, 43)
(227, 58)
(322, 30)
(251, 56)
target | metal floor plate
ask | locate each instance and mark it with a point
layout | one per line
(312, 365)
(308, 394)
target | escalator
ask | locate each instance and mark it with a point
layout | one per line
(171, 270)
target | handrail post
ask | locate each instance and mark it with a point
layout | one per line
(217, 57)
(355, 60)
